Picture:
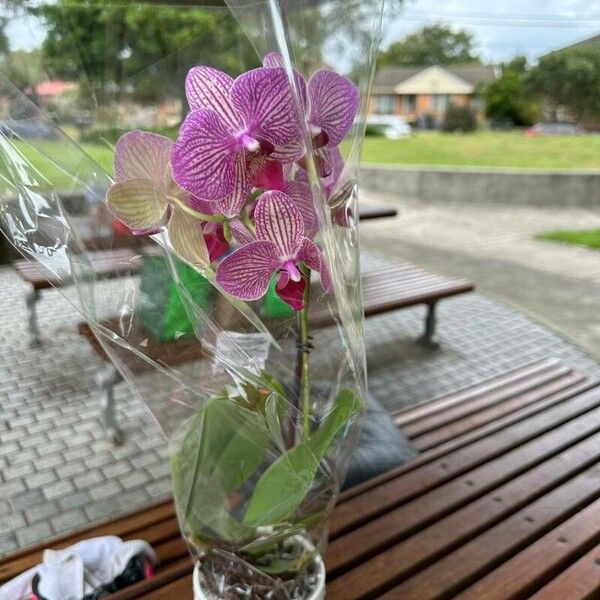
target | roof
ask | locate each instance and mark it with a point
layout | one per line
(388, 78)
(55, 87)
(595, 39)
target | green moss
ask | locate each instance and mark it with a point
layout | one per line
(586, 237)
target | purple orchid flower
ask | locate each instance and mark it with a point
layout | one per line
(234, 126)
(331, 102)
(280, 246)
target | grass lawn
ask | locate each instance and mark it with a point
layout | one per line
(57, 161)
(586, 237)
(486, 149)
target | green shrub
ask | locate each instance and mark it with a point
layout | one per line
(373, 130)
(459, 119)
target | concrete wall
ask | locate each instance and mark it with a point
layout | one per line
(497, 186)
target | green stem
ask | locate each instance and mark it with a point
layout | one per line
(303, 355)
(245, 219)
(194, 213)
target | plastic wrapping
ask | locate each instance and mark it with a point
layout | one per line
(259, 398)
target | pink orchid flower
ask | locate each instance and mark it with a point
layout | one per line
(234, 126)
(280, 246)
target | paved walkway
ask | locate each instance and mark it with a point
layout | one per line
(58, 472)
(558, 284)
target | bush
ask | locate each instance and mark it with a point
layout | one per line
(102, 135)
(373, 130)
(459, 119)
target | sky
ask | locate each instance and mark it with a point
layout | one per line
(504, 29)
(501, 31)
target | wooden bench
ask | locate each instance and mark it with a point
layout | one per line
(105, 264)
(503, 505)
(384, 290)
(113, 256)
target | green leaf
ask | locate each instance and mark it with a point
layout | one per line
(223, 446)
(284, 485)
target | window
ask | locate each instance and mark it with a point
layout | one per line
(408, 104)
(384, 105)
(440, 102)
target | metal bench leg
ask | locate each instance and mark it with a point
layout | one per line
(430, 323)
(31, 299)
(105, 381)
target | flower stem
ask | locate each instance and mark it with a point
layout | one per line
(194, 213)
(303, 354)
(245, 219)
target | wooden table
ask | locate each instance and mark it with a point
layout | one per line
(503, 504)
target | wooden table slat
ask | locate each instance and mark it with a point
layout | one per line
(456, 413)
(463, 567)
(471, 422)
(510, 475)
(535, 566)
(427, 561)
(391, 494)
(410, 414)
(581, 581)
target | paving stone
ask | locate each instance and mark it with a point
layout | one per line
(105, 490)
(34, 534)
(27, 499)
(116, 469)
(135, 479)
(88, 479)
(75, 500)
(69, 520)
(41, 512)
(58, 489)
(41, 479)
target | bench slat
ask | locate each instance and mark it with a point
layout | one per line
(423, 511)
(379, 500)
(423, 560)
(436, 405)
(488, 411)
(579, 582)
(542, 561)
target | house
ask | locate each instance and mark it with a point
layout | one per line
(415, 92)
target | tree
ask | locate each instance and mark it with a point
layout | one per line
(139, 49)
(432, 45)
(507, 99)
(569, 79)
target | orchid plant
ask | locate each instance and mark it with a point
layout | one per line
(232, 193)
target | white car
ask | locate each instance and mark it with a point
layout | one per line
(391, 126)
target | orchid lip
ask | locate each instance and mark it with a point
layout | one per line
(292, 270)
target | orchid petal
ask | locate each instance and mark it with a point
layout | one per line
(299, 191)
(333, 104)
(273, 59)
(310, 254)
(138, 203)
(265, 99)
(278, 220)
(245, 274)
(231, 204)
(289, 153)
(240, 233)
(143, 155)
(292, 293)
(185, 235)
(215, 241)
(206, 87)
(206, 207)
(204, 156)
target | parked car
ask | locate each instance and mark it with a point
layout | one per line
(391, 126)
(27, 128)
(553, 129)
